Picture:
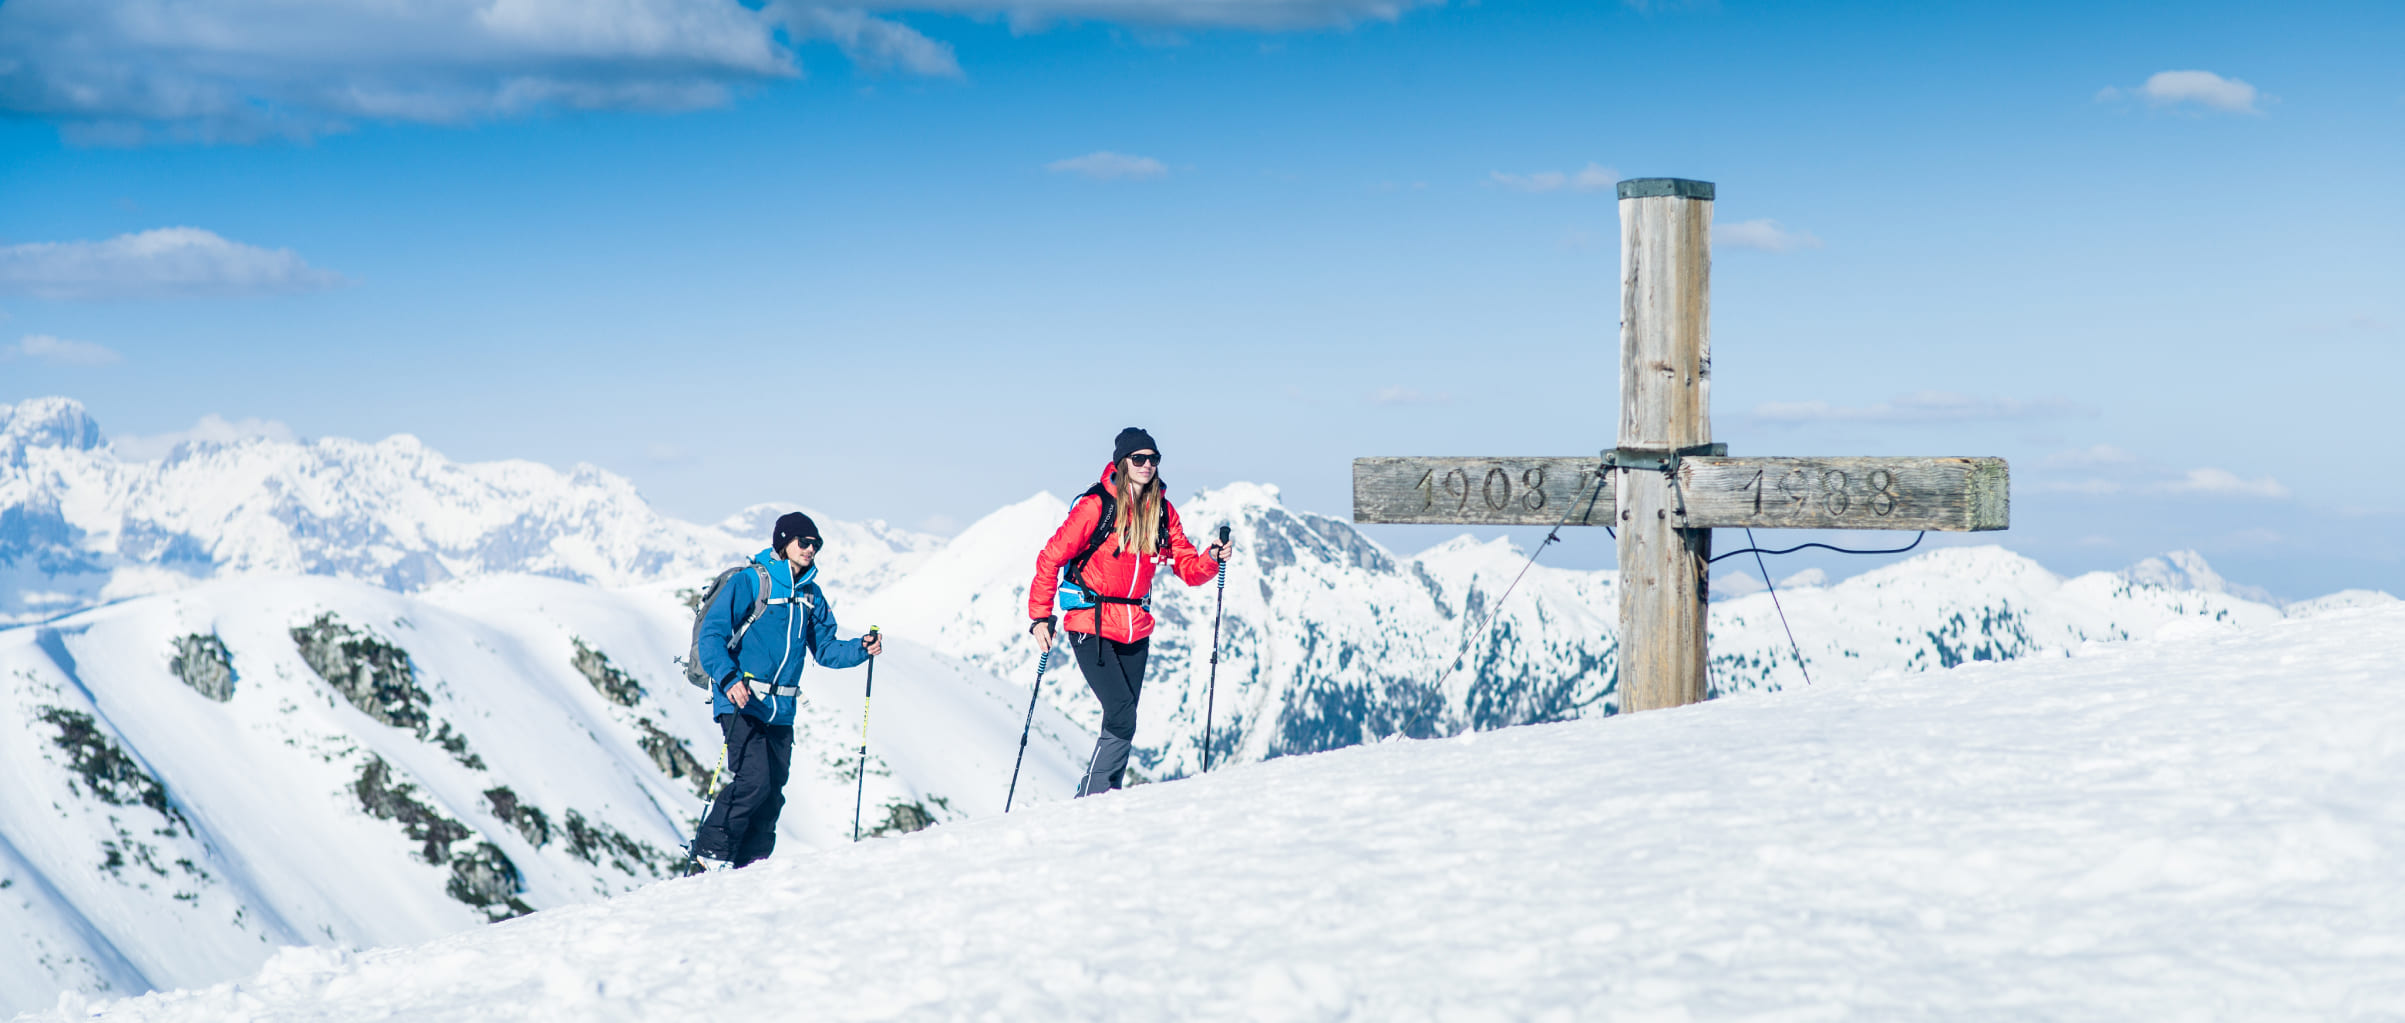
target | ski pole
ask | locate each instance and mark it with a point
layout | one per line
(1211, 690)
(1025, 728)
(860, 779)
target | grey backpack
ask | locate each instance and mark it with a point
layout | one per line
(709, 596)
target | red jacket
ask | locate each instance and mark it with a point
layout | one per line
(1112, 571)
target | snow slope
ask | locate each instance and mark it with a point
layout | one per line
(470, 752)
(2196, 827)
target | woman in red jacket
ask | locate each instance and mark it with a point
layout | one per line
(1103, 596)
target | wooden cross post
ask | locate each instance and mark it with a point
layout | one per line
(1665, 484)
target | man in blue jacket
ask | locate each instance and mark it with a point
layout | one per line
(758, 689)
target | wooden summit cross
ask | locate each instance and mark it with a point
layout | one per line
(1666, 485)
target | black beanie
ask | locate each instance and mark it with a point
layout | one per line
(792, 526)
(1130, 441)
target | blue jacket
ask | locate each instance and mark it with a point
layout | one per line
(773, 649)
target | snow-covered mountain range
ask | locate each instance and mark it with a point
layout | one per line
(80, 526)
(343, 693)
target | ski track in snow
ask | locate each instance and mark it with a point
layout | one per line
(2197, 827)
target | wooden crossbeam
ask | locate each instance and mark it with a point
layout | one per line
(1480, 491)
(1942, 494)
(1949, 494)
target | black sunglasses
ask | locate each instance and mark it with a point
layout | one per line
(811, 542)
(1151, 459)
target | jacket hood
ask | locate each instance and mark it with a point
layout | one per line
(780, 572)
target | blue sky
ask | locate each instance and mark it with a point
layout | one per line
(914, 260)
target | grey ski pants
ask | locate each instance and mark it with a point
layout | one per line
(1115, 672)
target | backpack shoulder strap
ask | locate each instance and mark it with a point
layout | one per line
(759, 604)
(1102, 531)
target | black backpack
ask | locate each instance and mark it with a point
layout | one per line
(1073, 574)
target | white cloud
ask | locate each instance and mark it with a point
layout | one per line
(1594, 177)
(1765, 235)
(212, 428)
(1109, 166)
(2224, 483)
(1407, 396)
(2190, 89)
(2089, 457)
(1259, 15)
(1919, 407)
(243, 70)
(2129, 476)
(59, 351)
(869, 42)
(168, 262)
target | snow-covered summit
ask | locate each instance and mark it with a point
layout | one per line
(2187, 570)
(45, 423)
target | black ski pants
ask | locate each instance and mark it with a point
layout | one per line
(1115, 672)
(742, 823)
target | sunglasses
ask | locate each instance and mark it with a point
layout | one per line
(811, 542)
(1151, 459)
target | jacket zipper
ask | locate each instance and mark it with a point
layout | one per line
(781, 659)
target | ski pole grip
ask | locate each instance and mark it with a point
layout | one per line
(1223, 534)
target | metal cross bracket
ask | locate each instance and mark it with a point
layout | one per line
(1659, 461)
(1664, 462)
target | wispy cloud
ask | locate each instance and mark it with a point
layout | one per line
(1594, 177)
(2223, 483)
(2141, 480)
(1260, 15)
(2088, 458)
(59, 351)
(2193, 89)
(243, 70)
(871, 42)
(212, 428)
(233, 71)
(1407, 396)
(1109, 166)
(1765, 235)
(170, 262)
(1919, 407)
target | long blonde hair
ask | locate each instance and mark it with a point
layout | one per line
(1139, 524)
